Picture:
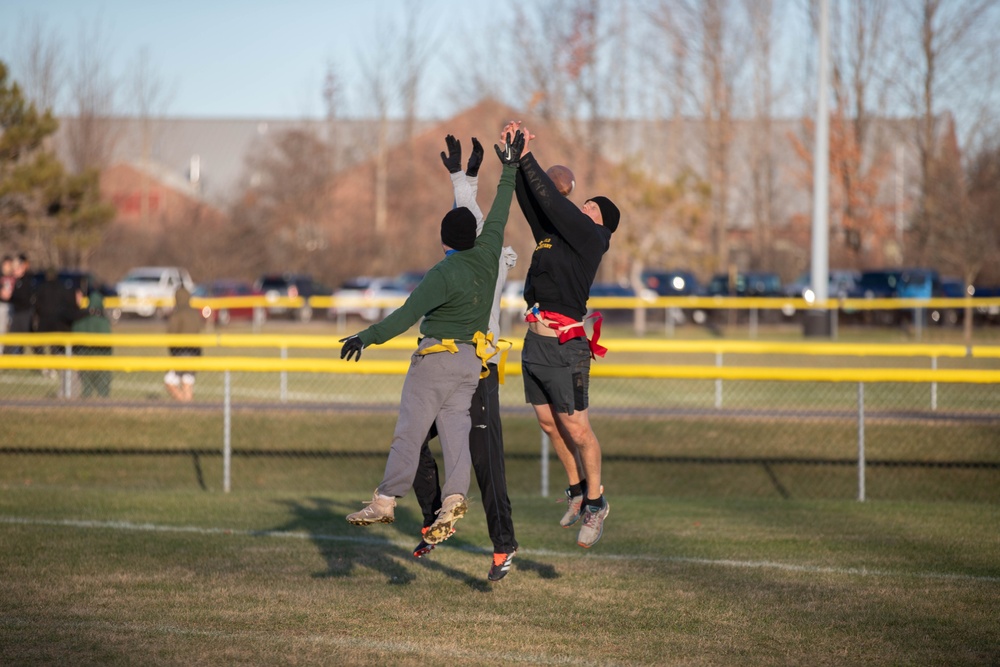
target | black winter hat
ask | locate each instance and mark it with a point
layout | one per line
(609, 212)
(458, 229)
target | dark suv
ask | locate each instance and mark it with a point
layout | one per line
(291, 285)
(752, 283)
(84, 282)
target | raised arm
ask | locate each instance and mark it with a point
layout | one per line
(464, 187)
(572, 224)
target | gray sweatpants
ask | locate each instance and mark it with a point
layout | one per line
(438, 390)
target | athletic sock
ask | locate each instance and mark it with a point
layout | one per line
(578, 489)
(596, 504)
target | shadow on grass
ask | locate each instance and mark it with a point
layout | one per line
(343, 551)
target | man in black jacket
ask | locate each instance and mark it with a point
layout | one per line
(22, 300)
(569, 245)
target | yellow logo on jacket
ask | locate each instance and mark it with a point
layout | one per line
(544, 244)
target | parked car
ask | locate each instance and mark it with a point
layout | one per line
(223, 288)
(948, 288)
(751, 283)
(893, 283)
(878, 284)
(671, 283)
(361, 296)
(919, 283)
(144, 289)
(675, 283)
(77, 280)
(275, 286)
(598, 290)
(986, 314)
(841, 283)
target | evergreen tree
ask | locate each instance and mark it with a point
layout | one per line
(52, 215)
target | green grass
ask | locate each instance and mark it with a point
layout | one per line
(126, 576)
(118, 559)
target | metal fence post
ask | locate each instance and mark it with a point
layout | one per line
(67, 377)
(284, 376)
(718, 382)
(861, 441)
(753, 323)
(934, 385)
(227, 444)
(545, 464)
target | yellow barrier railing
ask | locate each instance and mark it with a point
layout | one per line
(376, 367)
(608, 302)
(408, 342)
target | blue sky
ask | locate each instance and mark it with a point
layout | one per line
(237, 58)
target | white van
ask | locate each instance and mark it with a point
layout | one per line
(149, 290)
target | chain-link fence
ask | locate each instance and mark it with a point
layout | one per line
(697, 421)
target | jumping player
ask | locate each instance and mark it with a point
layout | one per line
(569, 245)
(454, 300)
(486, 437)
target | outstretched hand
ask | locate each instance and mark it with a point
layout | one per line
(475, 160)
(513, 126)
(511, 152)
(352, 348)
(453, 160)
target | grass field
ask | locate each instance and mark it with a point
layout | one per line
(149, 577)
(137, 557)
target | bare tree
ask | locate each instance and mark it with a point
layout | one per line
(981, 237)
(279, 223)
(375, 69)
(859, 154)
(708, 43)
(950, 51)
(91, 132)
(149, 96)
(41, 64)
(761, 154)
(416, 47)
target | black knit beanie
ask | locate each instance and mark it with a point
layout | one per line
(609, 212)
(458, 229)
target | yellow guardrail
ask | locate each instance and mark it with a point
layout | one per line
(407, 342)
(608, 302)
(370, 367)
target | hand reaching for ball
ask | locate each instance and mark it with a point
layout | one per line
(511, 128)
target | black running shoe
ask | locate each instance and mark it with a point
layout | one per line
(501, 565)
(423, 548)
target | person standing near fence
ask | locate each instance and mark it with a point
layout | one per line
(454, 300)
(183, 319)
(94, 322)
(486, 436)
(555, 360)
(21, 300)
(6, 287)
(56, 309)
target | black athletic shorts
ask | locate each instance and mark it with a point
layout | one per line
(556, 373)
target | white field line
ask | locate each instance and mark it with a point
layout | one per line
(297, 535)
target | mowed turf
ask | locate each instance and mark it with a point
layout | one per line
(90, 574)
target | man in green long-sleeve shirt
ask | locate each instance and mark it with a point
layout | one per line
(454, 298)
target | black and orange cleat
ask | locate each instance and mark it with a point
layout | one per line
(501, 565)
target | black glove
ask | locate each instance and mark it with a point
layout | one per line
(475, 159)
(352, 347)
(453, 160)
(511, 153)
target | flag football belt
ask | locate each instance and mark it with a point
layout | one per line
(569, 329)
(482, 343)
